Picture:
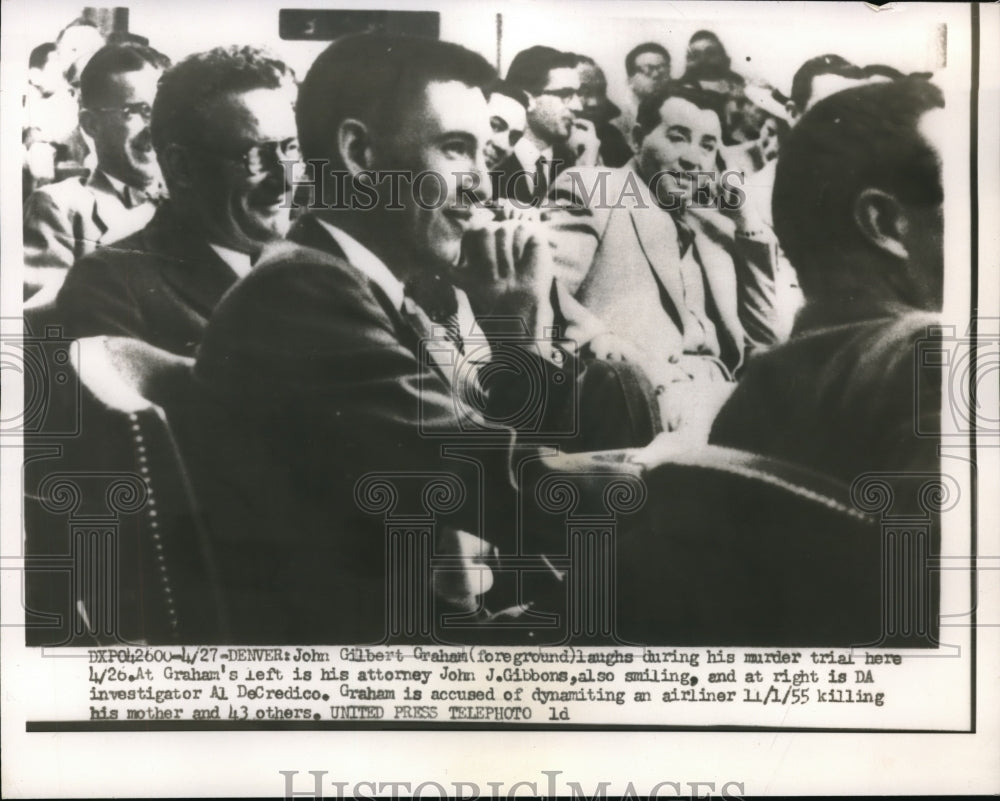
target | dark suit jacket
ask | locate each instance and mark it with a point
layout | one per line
(844, 396)
(513, 181)
(308, 380)
(159, 285)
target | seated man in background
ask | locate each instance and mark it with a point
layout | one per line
(67, 220)
(598, 109)
(396, 338)
(647, 67)
(858, 209)
(556, 135)
(690, 288)
(222, 126)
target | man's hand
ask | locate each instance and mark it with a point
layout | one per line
(613, 348)
(584, 143)
(507, 272)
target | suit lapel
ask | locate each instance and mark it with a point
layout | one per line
(657, 235)
(193, 270)
(412, 325)
(107, 205)
(717, 267)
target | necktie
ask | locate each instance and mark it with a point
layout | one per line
(436, 296)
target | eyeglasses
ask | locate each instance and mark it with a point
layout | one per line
(649, 70)
(129, 110)
(264, 156)
(563, 94)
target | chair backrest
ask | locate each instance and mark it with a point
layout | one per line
(711, 546)
(737, 549)
(112, 512)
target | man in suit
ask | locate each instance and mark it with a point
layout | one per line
(647, 67)
(858, 208)
(689, 287)
(393, 341)
(508, 118)
(69, 219)
(615, 150)
(223, 128)
(556, 135)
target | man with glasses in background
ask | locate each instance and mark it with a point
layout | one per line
(647, 67)
(556, 135)
(69, 219)
(223, 127)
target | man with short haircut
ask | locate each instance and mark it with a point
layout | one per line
(647, 67)
(858, 208)
(555, 136)
(223, 128)
(690, 287)
(69, 219)
(598, 109)
(508, 119)
(392, 338)
(816, 79)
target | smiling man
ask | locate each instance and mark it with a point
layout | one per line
(222, 126)
(690, 288)
(382, 337)
(67, 220)
(556, 135)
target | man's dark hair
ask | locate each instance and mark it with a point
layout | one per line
(501, 87)
(373, 77)
(705, 34)
(830, 64)
(192, 86)
(638, 50)
(112, 60)
(862, 137)
(40, 56)
(530, 68)
(648, 114)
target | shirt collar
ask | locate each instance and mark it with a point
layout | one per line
(366, 261)
(527, 153)
(239, 262)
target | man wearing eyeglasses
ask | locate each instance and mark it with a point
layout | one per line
(69, 219)
(647, 67)
(223, 127)
(556, 135)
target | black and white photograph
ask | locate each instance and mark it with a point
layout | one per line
(500, 399)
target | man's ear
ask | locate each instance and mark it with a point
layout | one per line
(354, 144)
(89, 122)
(883, 222)
(178, 169)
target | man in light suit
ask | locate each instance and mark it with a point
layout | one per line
(69, 219)
(689, 287)
(223, 128)
(354, 353)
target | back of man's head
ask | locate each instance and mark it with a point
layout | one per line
(372, 77)
(188, 90)
(829, 64)
(530, 68)
(113, 60)
(862, 138)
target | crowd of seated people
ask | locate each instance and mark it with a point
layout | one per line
(579, 275)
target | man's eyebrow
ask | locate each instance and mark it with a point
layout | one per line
(680, 129)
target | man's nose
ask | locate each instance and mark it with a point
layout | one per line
(576, 104)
